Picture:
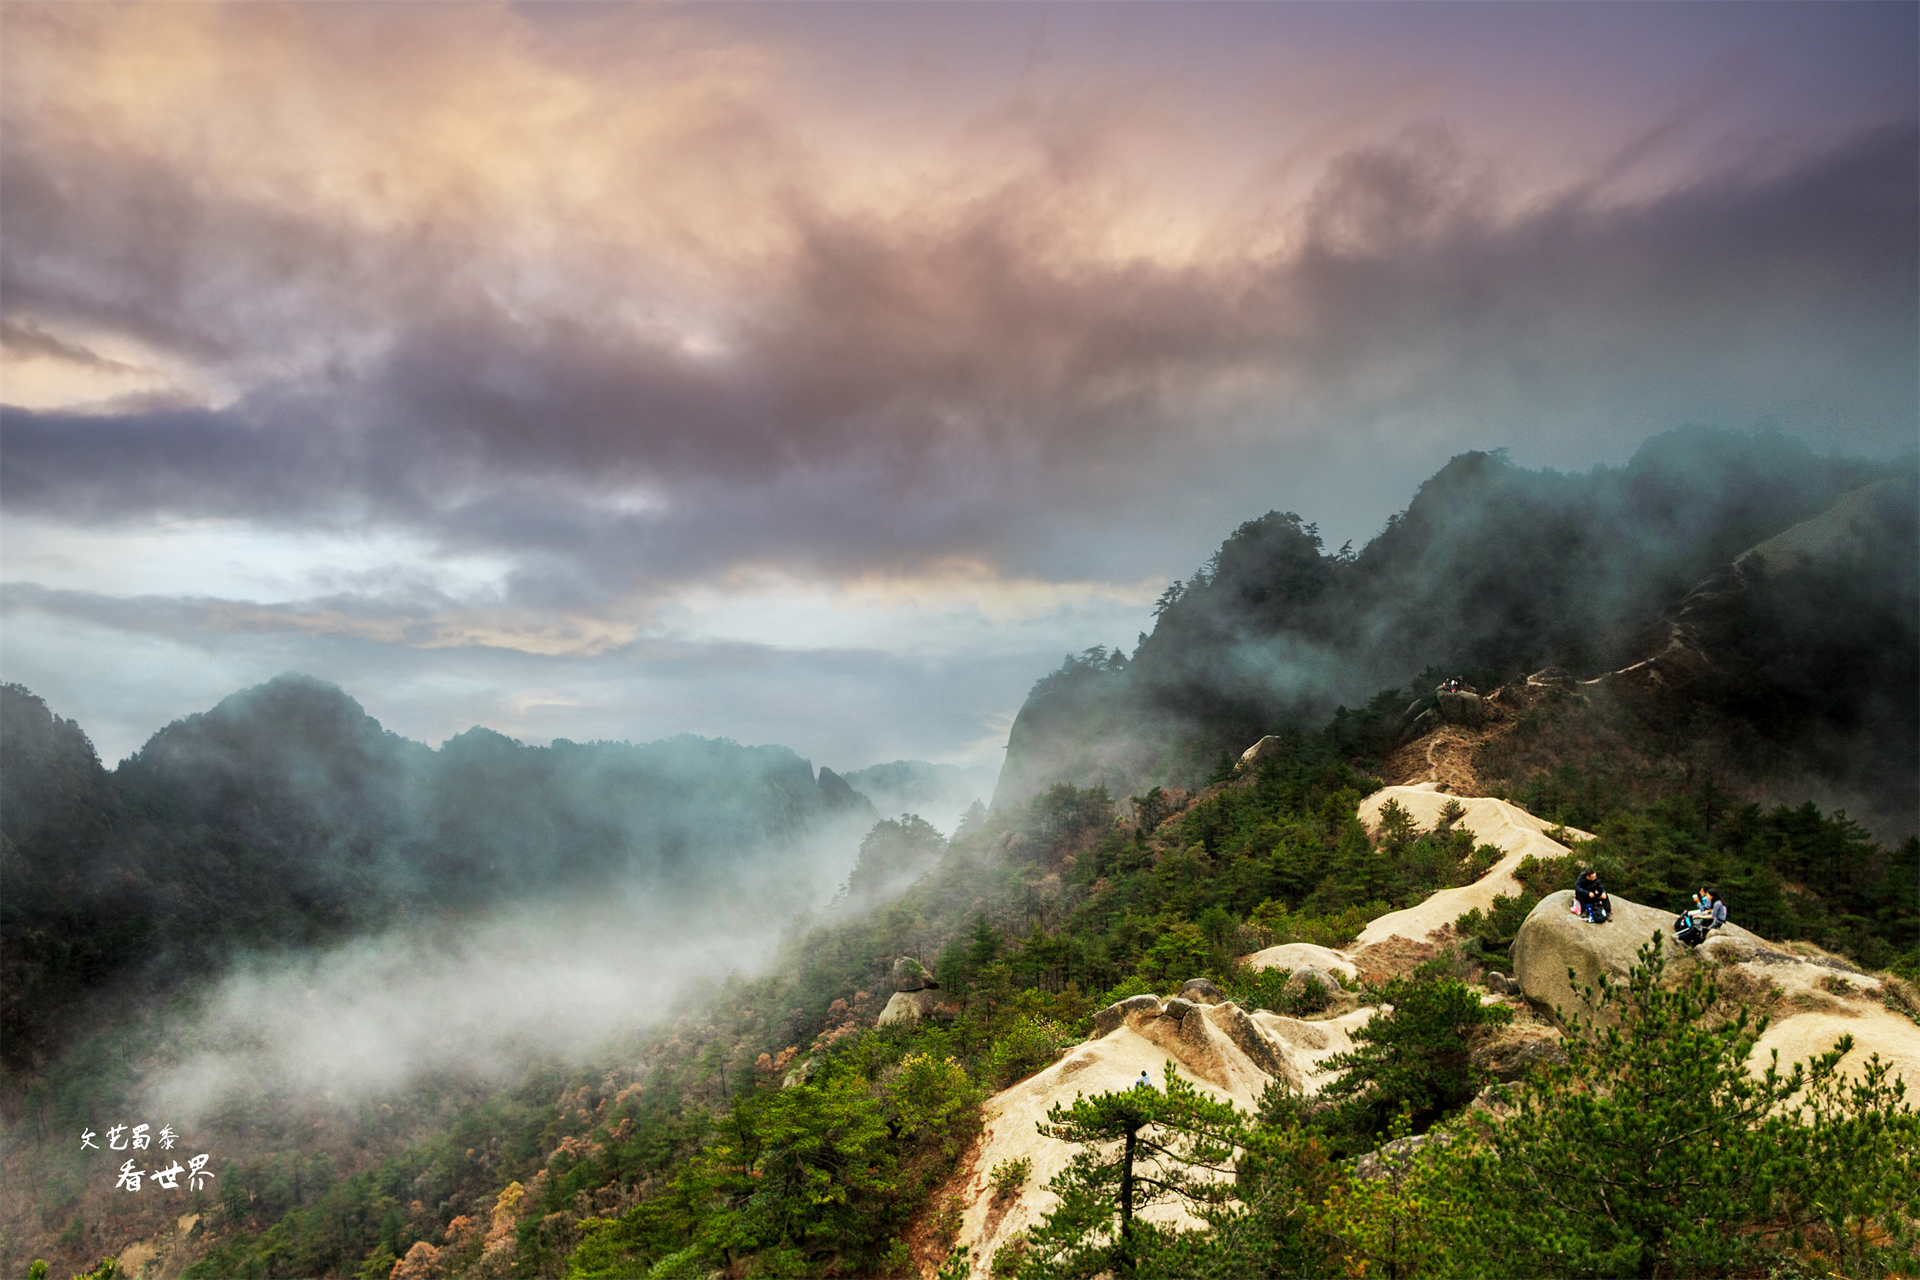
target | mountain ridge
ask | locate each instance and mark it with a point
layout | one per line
(286, 815)
(1493, 573)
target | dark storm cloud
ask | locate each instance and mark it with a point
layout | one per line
(908, 389)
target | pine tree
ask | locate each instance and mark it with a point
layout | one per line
(1138, 1147)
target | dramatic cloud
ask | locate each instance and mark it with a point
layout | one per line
(662, 314)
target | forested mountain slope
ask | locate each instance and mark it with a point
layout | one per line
(1733, 606)
(286, 816)
(796, 1122)
(1494, 571)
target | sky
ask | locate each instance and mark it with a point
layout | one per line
(819, 374)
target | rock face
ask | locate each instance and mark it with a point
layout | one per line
(1250, 758)
(1200, 991)
(1812, 998)
(1875, 1030)
(908, 1006)
(1246, 1035)
(1222, 1049)
(1110, 1018)
(1462, 708)
(910, 975)
(1227, 1046)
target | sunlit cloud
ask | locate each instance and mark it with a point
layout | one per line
(929, 334)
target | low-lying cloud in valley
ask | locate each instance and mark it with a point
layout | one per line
(478, 1001)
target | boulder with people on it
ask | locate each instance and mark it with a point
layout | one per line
(1463, 707)
(1810, 996)
(1553, 940)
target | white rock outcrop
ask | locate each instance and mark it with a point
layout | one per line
(1507, 827)
(1234, 1053)
(1223, 1050)
(1303, 955)
(908, 1006)
(1812, 998)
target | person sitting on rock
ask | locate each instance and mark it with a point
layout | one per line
(1708, 909)
(1706, 913)
(1590, 898)
(1144, 1082)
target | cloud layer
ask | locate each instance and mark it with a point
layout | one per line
(648, 307)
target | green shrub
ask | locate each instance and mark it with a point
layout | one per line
(1415, 1057)
(1131, 985)
(1269, 989)
(1179, 953)
(934, 1100)
(1029, 1045)
(1009, 1176)
(1654, 1151)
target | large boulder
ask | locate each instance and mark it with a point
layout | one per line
(910, 975)
(1201, 991)
(1462, 708)
(1177, 1008)
(1552, 940)
(908, 1006)
(1253, 755)
(1110, 1018)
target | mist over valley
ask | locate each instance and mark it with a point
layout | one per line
(959, 642)
(278, 918)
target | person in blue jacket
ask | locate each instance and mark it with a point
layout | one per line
(1707, 913)
(1708, 909)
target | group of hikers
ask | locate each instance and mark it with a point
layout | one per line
(1707, 911)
